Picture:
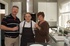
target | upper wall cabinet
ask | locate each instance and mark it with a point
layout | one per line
(50, 10)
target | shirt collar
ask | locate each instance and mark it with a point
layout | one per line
(12, 16)
(28, 22)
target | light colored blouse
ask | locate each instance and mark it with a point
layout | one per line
(27, 24)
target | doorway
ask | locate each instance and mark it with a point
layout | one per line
(2, 14)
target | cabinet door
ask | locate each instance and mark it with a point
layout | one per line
(50, 10)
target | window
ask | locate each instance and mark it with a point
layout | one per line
(64, 15)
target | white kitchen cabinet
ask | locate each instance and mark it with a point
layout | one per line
(50, 10)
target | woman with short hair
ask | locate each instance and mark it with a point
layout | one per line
(42, 29)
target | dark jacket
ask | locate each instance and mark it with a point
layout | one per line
(42, 34)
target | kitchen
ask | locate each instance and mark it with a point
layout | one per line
(57, 14)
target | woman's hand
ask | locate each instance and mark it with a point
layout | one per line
(37, 26)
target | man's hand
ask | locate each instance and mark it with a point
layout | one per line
(8, 28)
(15, 28)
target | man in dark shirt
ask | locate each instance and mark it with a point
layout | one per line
(10, 24)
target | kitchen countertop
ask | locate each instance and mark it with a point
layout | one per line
(58, 38)
(66, 29)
